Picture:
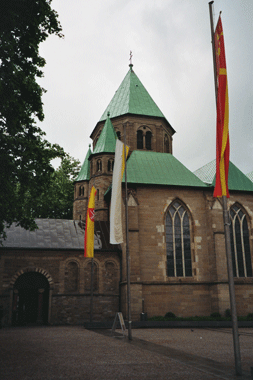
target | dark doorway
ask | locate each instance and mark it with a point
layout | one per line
(30, 300)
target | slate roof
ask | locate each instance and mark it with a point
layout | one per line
(237, 180)
(107, 140)
(132, 98)
(84, 174)
(60, 234)
(159, 169)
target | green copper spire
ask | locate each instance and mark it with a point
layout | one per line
(132, 97)
(107, 140)
(84, 174)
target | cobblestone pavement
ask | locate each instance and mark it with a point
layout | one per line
(153, 354)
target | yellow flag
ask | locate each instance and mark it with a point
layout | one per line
(89, 227)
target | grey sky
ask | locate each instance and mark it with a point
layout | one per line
(172, 56)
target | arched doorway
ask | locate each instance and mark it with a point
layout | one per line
(30, 299)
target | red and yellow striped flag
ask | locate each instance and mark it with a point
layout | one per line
(222, 137)
(89, 227)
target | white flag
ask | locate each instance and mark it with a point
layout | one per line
(116, 234)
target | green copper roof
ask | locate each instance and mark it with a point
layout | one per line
(236, 179)
(250, 176)
(132, 97)
(84, 174)
(159, 169)
(107, 140)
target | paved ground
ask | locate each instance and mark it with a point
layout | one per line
(153, 354)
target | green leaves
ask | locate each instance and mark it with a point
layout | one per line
(25, 156)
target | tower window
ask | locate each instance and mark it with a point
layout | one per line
(148, 138)
(240, 246)
(119, 135)
(139, 139)
(99, 165)
(110, 165)
(178, 243)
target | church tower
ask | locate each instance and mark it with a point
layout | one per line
(147, 129)
(81, 190)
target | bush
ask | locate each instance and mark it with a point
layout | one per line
(215, 315)
(227, 313)
(169, 315)
(250, 317)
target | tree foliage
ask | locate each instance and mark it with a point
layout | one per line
(56, 200)
(25, 155)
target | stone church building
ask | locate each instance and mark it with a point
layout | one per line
(176, 232)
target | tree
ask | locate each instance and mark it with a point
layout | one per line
(56, 201)
(25, 155)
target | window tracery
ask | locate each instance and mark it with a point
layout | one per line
(178, 241)
(240, 244)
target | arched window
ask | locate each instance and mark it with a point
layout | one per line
(110, 165)
(139, 139)
(98, 194)
(239, 234)
(81, 191)
(166, 144)
(178, 241)
(99, 165)
(148, 138)
(119, 135)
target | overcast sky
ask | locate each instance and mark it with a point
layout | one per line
(172, 56)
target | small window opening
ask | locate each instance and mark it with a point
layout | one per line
(139, 140)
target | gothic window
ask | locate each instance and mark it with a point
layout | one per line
(87, 272)
(178, 241)
(71, 277)
(99, 165)
(110, 165)
(98, 194)
(166, 144)
(240, 246)
(119, 135)
(148, 138)
(139, 139)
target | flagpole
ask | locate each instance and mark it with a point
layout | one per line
(127, 247)
(91, 290)
(226, 219)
